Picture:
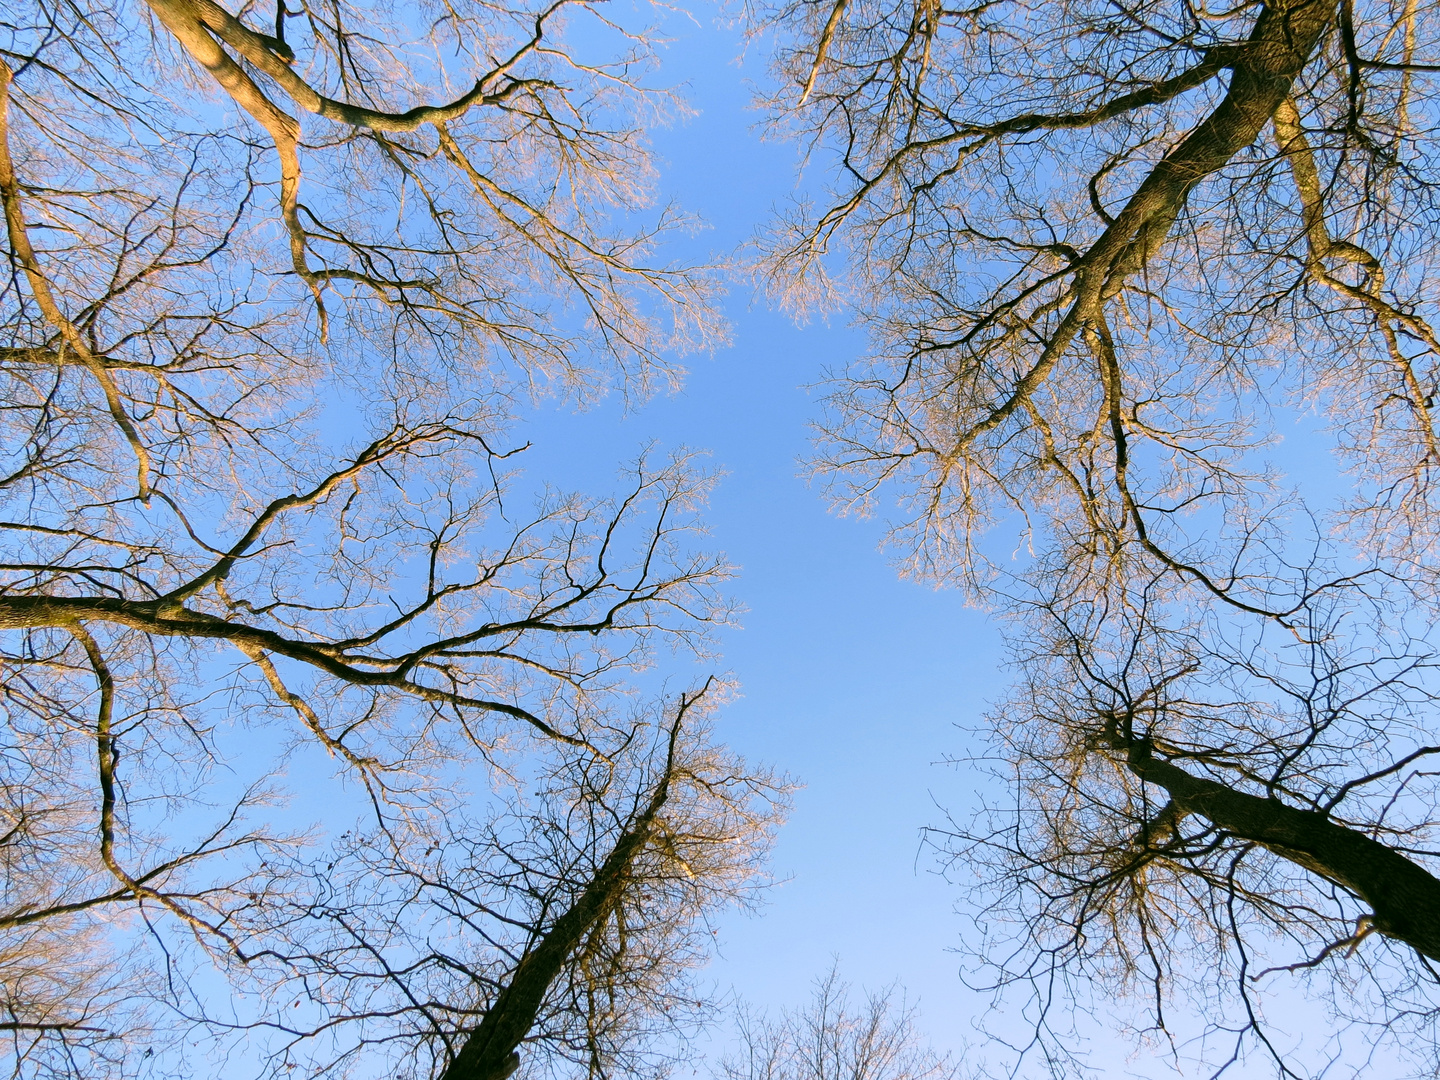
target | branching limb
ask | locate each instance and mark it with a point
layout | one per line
(24, 253)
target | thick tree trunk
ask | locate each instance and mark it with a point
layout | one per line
(1285, 36)
(1404, 896)
(490, 1052)
(1263, 71)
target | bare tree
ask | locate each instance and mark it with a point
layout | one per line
(265, 576)
(831, 1038)
(1108, 253)
(563, 923)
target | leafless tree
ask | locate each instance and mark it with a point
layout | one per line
(1108, 254)
(265, 575)
(832, 1038)
(564, 922)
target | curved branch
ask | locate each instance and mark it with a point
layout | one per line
(24, 252)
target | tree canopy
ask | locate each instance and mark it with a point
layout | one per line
(330, 747)
(1109, 255)
(275, 293)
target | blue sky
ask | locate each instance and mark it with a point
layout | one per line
(853, 680)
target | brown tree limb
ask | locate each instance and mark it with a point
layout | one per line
(1321, 247)
(107, 755)
(24, 253)
(164, 619)
(261, 50)
(180, 18)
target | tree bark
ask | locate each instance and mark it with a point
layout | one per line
(1263, 71)
(490, 1052)
(1404, 896)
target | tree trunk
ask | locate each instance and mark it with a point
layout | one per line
(1404, 896)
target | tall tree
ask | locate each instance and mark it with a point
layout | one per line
(317, 743)
(1109, 253)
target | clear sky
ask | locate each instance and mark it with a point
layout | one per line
(853, 680)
